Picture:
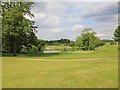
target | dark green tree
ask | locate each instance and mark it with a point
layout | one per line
(87, 40)
(16, 29)
(72, 43)
(117, 34)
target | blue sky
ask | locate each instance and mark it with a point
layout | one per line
(57, 20)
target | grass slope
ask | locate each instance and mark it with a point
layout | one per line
(70, 74)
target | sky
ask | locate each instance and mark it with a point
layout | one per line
(56, 20)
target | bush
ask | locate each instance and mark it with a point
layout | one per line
(30, 49)
(24, 50)
(41, 48)
(33, 50)
(92, 47)
(113, 43)
(64, 49)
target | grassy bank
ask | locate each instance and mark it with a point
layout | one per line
(19, 72)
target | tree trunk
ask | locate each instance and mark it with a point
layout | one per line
(14, 49)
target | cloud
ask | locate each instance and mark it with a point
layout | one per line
(105, 30)
(50, 8)
(49, 22)
(40, 15)
(48, 15)
(56, 30)
(77, 27)
(53, 20)
(99, 35)
(67, 19)
(98, 9)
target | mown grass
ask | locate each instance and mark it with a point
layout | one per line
(0, 73)
(63, 74)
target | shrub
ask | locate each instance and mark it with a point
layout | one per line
(33, 50)
(29, 49)
(24, 50)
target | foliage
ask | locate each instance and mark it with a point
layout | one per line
(24, 50)
(30, 49)
(33, 50)
(117, 34)
(72, 43)
(87, 40)
(40, 45)
(79, 42)
(107, 40)
(58, 42)
(17, 30)
(113, 43)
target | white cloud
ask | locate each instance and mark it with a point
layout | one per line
(52, 18)
(105, 30)
(56, 30)
(53, 8)
(99, 35)
(77, 27)
(40, 15)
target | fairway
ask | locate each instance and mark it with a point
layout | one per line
(84, 69)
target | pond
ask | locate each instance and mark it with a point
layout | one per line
(52, 51)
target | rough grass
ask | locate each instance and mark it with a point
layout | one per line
(59, 48)
(101, 73)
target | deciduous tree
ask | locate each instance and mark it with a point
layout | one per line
(16, 29)
(117, 34)
(87, 40)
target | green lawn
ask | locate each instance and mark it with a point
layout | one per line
(19, 72)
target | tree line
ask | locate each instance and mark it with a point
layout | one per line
(18, 32)
(58, 42)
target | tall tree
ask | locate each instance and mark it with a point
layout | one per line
(117, 34)
(16, 28)
(87, 40)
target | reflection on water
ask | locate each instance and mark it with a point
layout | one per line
(52, 51)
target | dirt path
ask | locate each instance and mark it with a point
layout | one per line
(40, 59)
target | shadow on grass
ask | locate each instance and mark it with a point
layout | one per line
(7, 54)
